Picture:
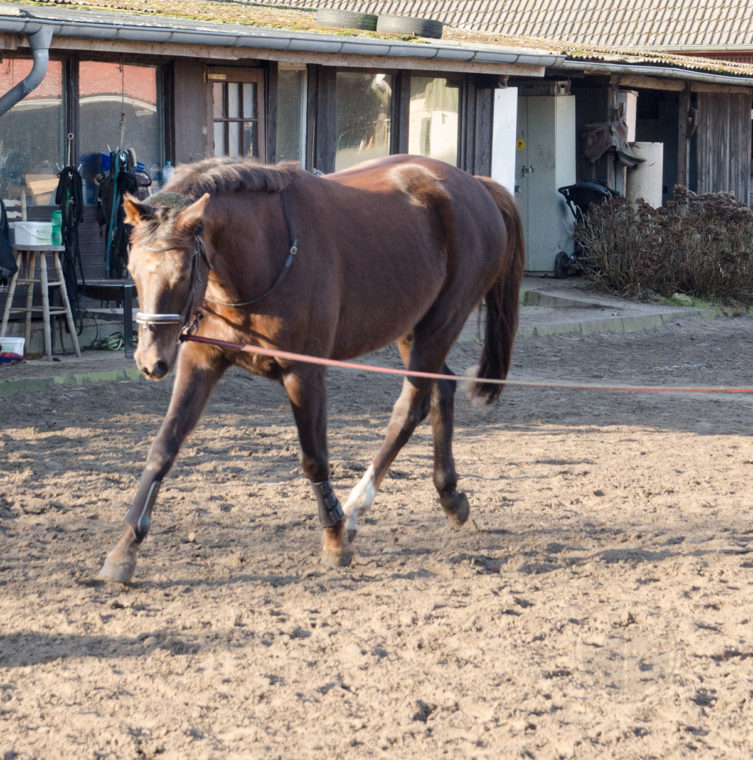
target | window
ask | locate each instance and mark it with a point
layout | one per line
(363, 110)
(118, 110)
(31, 134)
(237, 113)
(433, 120)
(291, 113)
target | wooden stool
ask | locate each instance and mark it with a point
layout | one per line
(28, 257)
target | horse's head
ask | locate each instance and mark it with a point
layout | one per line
(165, 260)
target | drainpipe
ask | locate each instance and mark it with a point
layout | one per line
(40, 46)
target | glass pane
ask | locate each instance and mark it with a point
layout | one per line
(233, 100)
(362, 117)
(249, 139)
(31, 134)
(219, 138)
(118, 108)
(291, 109)
(249, 100)
(218, 100)
(433, 128)
(235, 138)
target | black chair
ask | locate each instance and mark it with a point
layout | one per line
(118, 291)
(579, 198)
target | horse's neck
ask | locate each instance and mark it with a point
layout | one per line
(246, 249)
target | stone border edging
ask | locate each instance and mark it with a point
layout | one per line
(10, 387)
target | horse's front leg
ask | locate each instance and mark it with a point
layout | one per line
(306, 389)
(193, 384)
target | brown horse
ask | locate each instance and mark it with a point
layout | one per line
(399, 249)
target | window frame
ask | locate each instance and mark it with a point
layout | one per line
(320, 154)
(230, 75)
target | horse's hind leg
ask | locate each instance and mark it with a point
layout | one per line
(190, 393)
(441, 414)
(409, 410)
(418, 398)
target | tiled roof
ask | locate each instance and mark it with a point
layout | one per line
(458, 15)
(694, 24)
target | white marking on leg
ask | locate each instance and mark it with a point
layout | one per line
(361, 498)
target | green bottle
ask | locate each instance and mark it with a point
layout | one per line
(57, 227)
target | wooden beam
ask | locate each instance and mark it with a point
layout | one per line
(683, 112)
(636, 81)
(718, 88)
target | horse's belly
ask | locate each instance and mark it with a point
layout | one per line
(382, 310)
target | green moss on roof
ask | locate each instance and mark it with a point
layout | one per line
(202, 10)
(302, 19)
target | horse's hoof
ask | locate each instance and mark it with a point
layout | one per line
(118, 572)
(456, 507)
(119, 565)
(341, 558)
(352, 533)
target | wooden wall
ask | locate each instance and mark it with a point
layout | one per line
(723, 143)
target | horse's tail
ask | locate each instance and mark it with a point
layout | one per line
(502, 299)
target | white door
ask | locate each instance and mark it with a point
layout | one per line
(545, 161)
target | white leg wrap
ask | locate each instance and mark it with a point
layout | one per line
(361, 498)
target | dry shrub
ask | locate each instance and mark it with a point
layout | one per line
(699, 245)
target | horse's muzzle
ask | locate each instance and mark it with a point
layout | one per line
(155, 355)
(156, 371)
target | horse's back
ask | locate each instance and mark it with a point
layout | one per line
(455, 201)
(412, 227)
(462, 211)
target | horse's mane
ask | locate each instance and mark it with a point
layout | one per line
(223, 174)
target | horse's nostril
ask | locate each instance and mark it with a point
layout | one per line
(159, 369)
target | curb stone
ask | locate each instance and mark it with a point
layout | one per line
(10, 387)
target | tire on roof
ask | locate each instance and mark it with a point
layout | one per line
(349, 19)
(417, 27)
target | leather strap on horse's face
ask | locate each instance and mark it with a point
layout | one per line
(178, 201)
(175, 200)
(168, 318)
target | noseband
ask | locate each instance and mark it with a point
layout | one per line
(199, 252)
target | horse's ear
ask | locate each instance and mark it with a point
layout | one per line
(134, 209)
(192, 217)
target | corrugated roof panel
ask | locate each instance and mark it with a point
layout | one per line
(727, 26)
(644, 24)
(617, 23)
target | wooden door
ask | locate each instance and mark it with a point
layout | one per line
(237, 112)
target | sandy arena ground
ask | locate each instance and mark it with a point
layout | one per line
(598, 604)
